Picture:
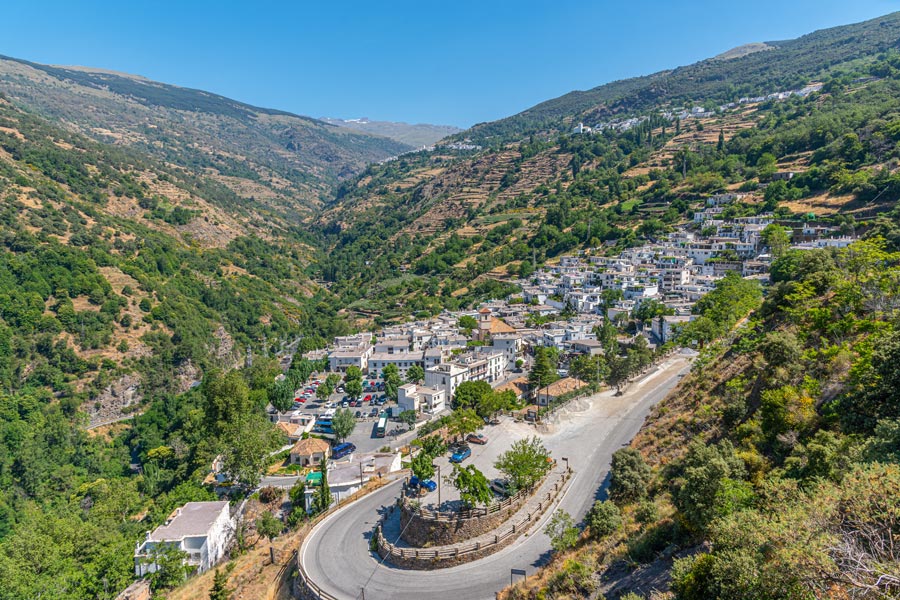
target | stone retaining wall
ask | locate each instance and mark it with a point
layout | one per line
(421, 530)
(441, 558)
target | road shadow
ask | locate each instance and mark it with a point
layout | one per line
(543, 559)
(602, 492)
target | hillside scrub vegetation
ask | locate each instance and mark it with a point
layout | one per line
(788, 488)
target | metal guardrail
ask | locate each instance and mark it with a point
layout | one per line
(462, 550)
(311, 586)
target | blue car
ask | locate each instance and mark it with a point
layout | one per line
(425, 483)
(460, 455)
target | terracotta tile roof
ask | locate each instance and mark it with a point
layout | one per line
(310, 446)
(519, 386)
(289, 429)
(563, 386)
(498, 326)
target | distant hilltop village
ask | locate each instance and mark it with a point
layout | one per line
(622, 125)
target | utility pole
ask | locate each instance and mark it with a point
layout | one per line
(439, 486)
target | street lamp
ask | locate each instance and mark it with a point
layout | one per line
(439, 486)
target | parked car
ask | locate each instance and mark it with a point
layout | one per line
(425, 484)
(460, 454)
(359, 414)
(501, 487)
(373, 412)
(345, 404)
(476, 438)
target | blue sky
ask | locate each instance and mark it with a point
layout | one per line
(457, 62)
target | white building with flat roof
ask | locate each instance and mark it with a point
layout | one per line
(403, 360)
(446, 377)
(341, 359)
(201, 529)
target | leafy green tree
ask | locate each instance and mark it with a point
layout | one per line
(592, 369)
(354, 388)
(281, 395)
(246, 443)
(268, 526)
(525, 463)
(467, 324)
(776, 238)
(415, 374)
(877, 387)
(463, 421)
(225, 399)
(353, 372)
(422, 466)
(433, 445)
(495, 402)
(651, 309)
(603, 519)
(324, 390)
(630, 476)
(469, 393)
(562, 531)
(473, 486)
(343, 423)
(297, 495)
(408, 417)
(700, 331)
(392, 381)
(620, 369)
(170, 564)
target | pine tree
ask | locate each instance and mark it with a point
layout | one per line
(219, 590)
(721, 146)
(322, 497)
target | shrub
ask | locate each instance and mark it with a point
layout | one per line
(269, 494)
(574, 578)
(646, 512)
(603, 519)
(629, 476)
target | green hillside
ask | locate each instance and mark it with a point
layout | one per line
(151, 235)
(285, 162)
(445, 228)
(789, 65)
(772, 471)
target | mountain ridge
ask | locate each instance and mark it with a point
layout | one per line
(288, 163)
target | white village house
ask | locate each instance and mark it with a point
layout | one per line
(201, 529)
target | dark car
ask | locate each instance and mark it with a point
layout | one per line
(359, 414)
(425, 484)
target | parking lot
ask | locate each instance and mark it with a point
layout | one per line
(580, 425)
(363, 435)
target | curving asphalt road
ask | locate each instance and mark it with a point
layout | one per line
(336, 554)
